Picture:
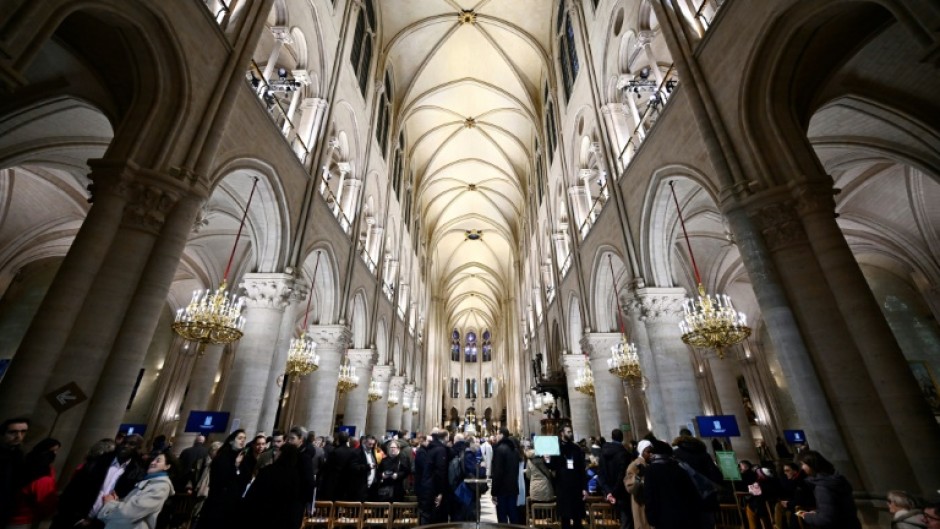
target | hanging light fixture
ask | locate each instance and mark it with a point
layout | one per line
(302, 357)
(584, 382)
(414, 405)
(215, 316)
(348, 379)
(406, 405)
(375, 392)
(710, 322)
(392, 399)
(624, 362)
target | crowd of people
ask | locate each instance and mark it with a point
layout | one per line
(271, 480)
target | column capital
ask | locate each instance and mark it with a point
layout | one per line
(382, 373)
(270, 291)
(408, 391)
(330, 336)
(598, 344)
(816, 197)
(780, 224)
(660, 304)
(361, 357)
(644, 38)
(614, 108)
(282, 34)
(301, 76)
(573, 362)
(312, 102)
(396, 383)
(147, 206)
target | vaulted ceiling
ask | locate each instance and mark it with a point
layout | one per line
(467, 77)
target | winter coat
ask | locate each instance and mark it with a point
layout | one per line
(672, 500)
(798, 493)
(82, 491)
(505, 471)
(139, 509)
(398, 465)
(276, 498)
(835, 507)
(694, 453)
(634, 470)
(912, 519)
(347, 470)
(35, 501)
(570, 484)
(611, 471)
(540, 480)
(225, 491)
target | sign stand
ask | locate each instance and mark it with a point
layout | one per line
(63, 399)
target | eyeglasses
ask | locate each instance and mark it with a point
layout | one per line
(931, 517)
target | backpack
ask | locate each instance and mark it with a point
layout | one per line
(706, 487)
(455, 473)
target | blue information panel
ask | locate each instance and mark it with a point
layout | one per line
(207, 421)
(717, 426)
(796, 437)
(351, 430)
(132, 429)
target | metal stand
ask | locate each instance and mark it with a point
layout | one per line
(476, 483)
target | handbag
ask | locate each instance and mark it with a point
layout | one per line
(385, 492)
(464, 494)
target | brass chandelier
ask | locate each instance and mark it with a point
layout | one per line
(710, 322)
(375, 392)
(348, 379)
(215, 317)
(624, 362)
(392, 399)
(584, 382)
(302, 357)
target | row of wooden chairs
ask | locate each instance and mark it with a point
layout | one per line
(361, 515)
(734, 516)
(600, 515)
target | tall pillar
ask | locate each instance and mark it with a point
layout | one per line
(281, 37)
(396, 387)
(28, 374)
(266, 298)
(645, 41)
(350, 202)
(407, 398)
(725, 375)
(608, 389)
(201, 382)
(311, 116)
(357, 400)
(320, 399)
(578, 199)
(582, 406)
(296, 299)
(378, 410)
(661, 310)
(416, 413)
(619, 131)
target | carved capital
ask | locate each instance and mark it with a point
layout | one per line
(330, 336)
(408, 392)
(572, 363)
(780, 224)
(147, 206)
(661, 304)
(270, 291)
(363, 358)
(396, 384)
(282, 34)
(814, 198)
(597, 344)
(382, 373)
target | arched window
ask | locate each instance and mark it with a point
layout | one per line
(550, 134)
(399, 165)
(488, 388)
(567, 53)
(385, 112)
(470, 350)
(454, 388)
(539, 174)
(487, 347)
(455, 346)
(361, 56)
(470, 386)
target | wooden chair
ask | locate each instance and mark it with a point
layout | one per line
(601, 515)
(404, 515)
(729, 517)
(347, 514)
(376, 514)
(543, 515)
(178, 511)
(320, 517)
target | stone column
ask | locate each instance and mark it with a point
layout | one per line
(619, 130)
(408, 395)
(296, 300)
(645, 41)
(416, 414)
(266, 298)
(320, 399)
(396, 387)
(311, 116)
(351, 189)
(608, 389)
(201, 382)
(29, 372)
(357, 400)
(289, 117)
(378, 410)
(724, 373)
(578, 199)
(586, 175)
(661, 310)
(281, 37)
(582, 406)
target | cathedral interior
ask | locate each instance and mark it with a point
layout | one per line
(468, 213)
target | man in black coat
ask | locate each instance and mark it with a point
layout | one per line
(306, 457)
(368, 464)
(80, 501)
(612, 469)
(433, 496)
(570, 481)
(345, 470)
(505, 476)
(694, 453)
(12, 464)
(672, 500)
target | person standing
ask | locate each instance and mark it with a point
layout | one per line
(932, 516)
(393, 470)
(115, 472)
(671, 498)
(346, 472)
(220, 508)
(540, 477)
(636, 485)
(432, 498)
(835, 507)
(12, 463)
(276, 498)
(570, 480)
(269, 455)
(140, 508)
(37, 499)
(612, 469)
(505, 476)
(190, 456)
(904, 514)
(367, 460)
(693, 452)
(486, 449)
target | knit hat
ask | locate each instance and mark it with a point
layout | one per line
(644, 444)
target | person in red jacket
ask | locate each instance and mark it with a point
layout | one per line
(37, 499)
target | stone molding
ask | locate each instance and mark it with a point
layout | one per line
(147, 206)
(660, 304)
(780, 224)
(330, 336)
(814, 198)
(267, 291)
(396, 384)
(572, 363)
(363, 358)
(382, 373)
(598, 344)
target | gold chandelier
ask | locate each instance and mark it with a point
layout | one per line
(302, 357)
(624, 362)
(215, 316)
(348, 379)
(375, 392)
(392, 399)
(709, 322)
(414, 406)
(584, 383)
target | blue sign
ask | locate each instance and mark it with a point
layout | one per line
(717, 426)
(132, 429)
(350, 430)
(207, 421)
(796, 437)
